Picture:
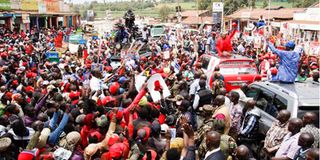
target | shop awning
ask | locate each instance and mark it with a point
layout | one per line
(304, 25)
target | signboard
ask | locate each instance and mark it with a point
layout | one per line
(155, 83)
(245, 15)
(216, 17)
(61, 6)
(66, 8)
(15, 4)
(29, 5)
(52, 56)
(52, 6)
(90, 13)
(5, 5)
(217, 7)
(42, 8)
(25, 18)
(75, 38)
(73, 48)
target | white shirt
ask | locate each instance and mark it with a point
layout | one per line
(194, 87)
(95, 84)
(196, 102)
(211, 152)
(227, 102)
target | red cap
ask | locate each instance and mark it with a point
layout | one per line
(96, 134)
(107, 99)
(29, 89)
(15, 83)
(4, 54)
(113, 89)
(234, 24)
(74, 95)
(274, 71)
(116, 151)
(108, 68)
(88, 119)
(113, 139)
(273, 56)
(143, 58)
(31, 75)
(119, 115)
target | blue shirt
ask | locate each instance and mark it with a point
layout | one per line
(289, 61)
(212, 44)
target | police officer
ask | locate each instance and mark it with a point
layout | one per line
(204, 96)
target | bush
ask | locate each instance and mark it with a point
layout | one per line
(164, 12)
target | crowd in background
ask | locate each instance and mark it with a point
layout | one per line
(83, 108)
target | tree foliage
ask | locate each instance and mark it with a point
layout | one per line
(305, 3)
(164, 12)
(229, 5)
(265, 4)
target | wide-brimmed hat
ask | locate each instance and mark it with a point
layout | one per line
(5, 142)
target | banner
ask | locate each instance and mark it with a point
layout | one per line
(42, 8)
(25, 18)
(156, 83)
(217, 7)
(66, 8)
(52, 6)
(5, 5)
(29, 5)
(73, 48)
(15, 4)
(61, 6)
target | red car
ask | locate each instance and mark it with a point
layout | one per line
(236, 70)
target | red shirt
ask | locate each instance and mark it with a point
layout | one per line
(225, 44)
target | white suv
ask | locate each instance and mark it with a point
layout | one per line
(298, 98)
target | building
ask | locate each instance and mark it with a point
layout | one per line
(23, 14)
(305, 24)
(193, 18)
(246, 16)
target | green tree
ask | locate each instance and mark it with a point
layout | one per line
(253, 3)
(305, 3)
(164, 12)
(231, 6)
(265, 4)
(204, 4)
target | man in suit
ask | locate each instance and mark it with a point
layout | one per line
(213, 146)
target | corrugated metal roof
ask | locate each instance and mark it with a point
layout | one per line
(194, 20)
(283, 13)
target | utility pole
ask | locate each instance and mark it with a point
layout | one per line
(197, 12)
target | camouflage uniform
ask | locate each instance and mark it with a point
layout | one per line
(201, 137)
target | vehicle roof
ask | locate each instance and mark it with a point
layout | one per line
(232, 58)
(306, 92)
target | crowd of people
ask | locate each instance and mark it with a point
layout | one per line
(83, 108)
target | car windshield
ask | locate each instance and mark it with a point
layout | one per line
(237, 67)
(157, 30)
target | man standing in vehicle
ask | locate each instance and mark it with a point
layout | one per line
(289, 61)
